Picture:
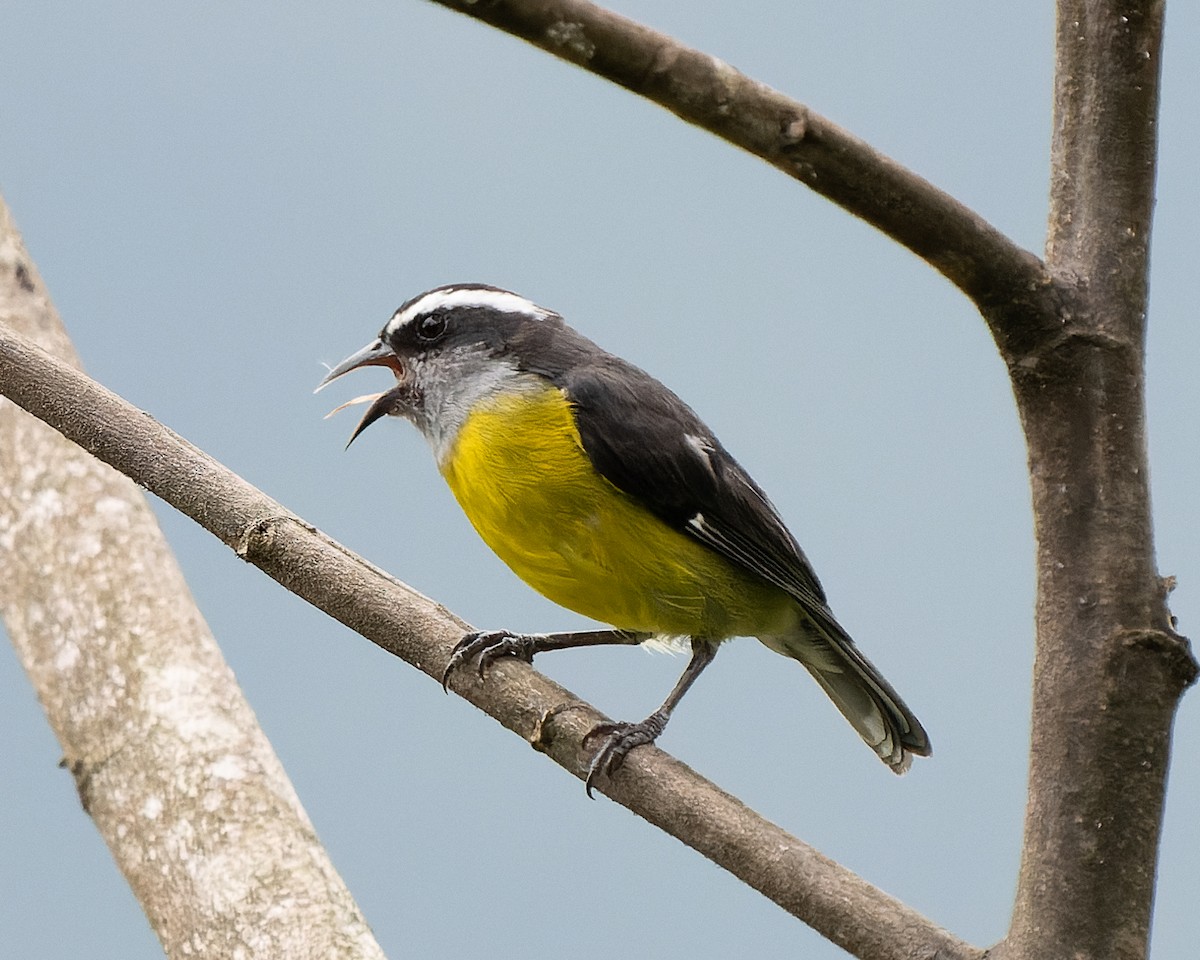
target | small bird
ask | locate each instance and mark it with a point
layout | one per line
(607, 494)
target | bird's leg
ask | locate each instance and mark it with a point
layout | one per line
(623, 737)
(489, 645)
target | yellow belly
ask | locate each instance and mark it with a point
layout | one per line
(519, 471)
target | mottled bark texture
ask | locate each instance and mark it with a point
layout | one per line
(166, 755)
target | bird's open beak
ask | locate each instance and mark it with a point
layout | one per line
(374, 354)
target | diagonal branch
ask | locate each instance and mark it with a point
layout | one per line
(1008, 284)
(827, 896)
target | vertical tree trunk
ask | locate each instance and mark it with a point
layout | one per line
(1109, 669)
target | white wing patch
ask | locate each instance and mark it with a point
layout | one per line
(502, 300)
(704, 450)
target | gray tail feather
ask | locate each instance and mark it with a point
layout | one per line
(859, 691)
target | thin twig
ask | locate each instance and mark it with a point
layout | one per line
(1009, 284)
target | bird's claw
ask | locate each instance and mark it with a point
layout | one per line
(487, 646)
(620, 738)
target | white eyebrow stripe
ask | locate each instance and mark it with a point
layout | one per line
(502, 300)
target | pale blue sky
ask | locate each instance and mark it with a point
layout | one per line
(223, 197)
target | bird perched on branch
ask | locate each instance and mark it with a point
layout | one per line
(605, 492)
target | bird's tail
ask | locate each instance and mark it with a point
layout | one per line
(857, 689)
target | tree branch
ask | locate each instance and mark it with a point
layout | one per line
(1108, 58)
(166, 754)
(1010, 286)
(834, 901)
(1110, 669)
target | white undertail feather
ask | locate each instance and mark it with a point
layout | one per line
(852, 697)
(858, 690)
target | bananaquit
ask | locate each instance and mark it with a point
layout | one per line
(605, 492)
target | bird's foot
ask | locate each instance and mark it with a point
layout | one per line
(620, 738)
(487, 646)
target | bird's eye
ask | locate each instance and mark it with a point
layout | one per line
(431, 327)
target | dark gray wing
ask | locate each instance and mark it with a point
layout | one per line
(651, 445)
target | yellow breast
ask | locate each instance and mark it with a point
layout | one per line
(521, 475)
